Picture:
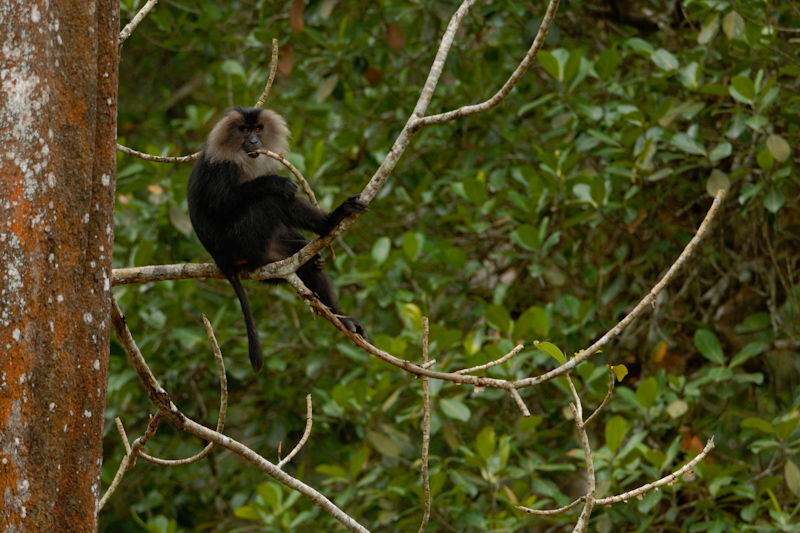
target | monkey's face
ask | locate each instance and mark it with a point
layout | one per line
(242, 130)
(251, 138)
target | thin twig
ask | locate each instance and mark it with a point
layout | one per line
(551, 512)
(129, 27)
(518, 399)
(667, 480)
(158, 158)
(605, 400)
(123, 465)
(272, 69)
(518, 348)
(306, 433)
(137, 448)
(589, 502)
(426, 430)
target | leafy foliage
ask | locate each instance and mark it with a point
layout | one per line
(543, 220)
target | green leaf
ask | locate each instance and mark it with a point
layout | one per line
(665, 60)
(412, 245)
(598, 191)
(475, 191)
(334, 471)
(234, 68)
(533, 320)
(787, 427)
(486, 442)
(721, 151)
(381, 249)
(778, 147)
(756, 122)
(326, 88)
(552, 350)
(357, 462)
(647, 391)
(384, 444)
(751, 350)
(757, 423)
(792, 475)
(607, 62)
(414, 314)
(527, 236)
(677, 408)
(550, 64)
(733, 25)
(765, 160)
(709, 31)
(616, 429)
(246, 512)
(497, 316)
(683, 142)
(709, 346)
(774, 200)
(716, 181)
(743, 87)
(455, 409)
(620, 371)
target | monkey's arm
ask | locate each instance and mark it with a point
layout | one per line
(302, 214)
(228, 199)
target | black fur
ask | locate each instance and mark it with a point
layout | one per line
(246, 222)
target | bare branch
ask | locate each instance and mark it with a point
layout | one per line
(128, 29)
(583, 520)
(667, 480)
(518, 399)
(272, 70)
(495, 100)
(123, 465)
(551, 512)
(518, 348)
(167, 408)
(426, 431)
(158, 158)
(306, 433)
(605, 400)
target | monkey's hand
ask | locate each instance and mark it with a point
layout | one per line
(319, 261)
(348, 207)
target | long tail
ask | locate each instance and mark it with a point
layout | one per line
(256, 356)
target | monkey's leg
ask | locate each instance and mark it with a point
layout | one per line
(320, 283)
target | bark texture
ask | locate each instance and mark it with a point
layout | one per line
(58, 97)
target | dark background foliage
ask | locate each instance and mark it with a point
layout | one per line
(547, 218)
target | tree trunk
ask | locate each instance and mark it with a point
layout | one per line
(58, 97)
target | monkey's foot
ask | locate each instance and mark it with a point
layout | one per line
(353, 325)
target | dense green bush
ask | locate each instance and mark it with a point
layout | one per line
(547, 218)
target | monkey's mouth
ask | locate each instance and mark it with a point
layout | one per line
(253, 154)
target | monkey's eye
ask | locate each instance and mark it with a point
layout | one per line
(245, 130)
(259, 129)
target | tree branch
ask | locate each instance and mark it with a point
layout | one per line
(130, 26)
